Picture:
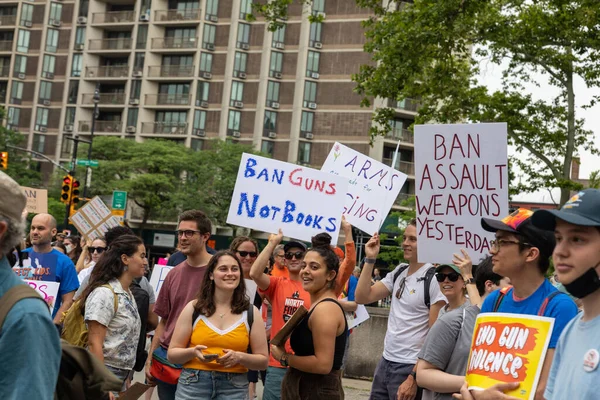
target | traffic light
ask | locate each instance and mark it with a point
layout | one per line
(4, 160)
(65, 196)
(75, 192)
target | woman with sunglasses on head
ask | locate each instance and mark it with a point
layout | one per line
(89, 257)
(214, 333)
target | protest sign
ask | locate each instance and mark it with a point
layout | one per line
(48, 291)
(508, 348)
(270, 195)
(93, 219)
(37, 200)
(159, 273)
(461, 176)
(37, 266)
(372, 186)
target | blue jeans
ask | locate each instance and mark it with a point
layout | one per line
(272, 390)
(388, 377)
(196, 384)
(165, 391)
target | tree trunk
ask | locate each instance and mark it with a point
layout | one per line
(565, 194)
(144, 220)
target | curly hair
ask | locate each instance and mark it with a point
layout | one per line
(321, 244)
(205, 303)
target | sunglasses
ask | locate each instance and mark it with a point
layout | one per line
(299, 255)
(452, 276)
(244, 254)
(401, 288)
(98, 250)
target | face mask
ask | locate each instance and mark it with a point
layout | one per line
(69, 247)
(585, 285)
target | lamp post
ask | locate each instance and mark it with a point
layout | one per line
(88, 176)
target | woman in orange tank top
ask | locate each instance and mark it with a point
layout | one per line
(213, 336)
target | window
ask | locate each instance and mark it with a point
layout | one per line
(272, 93)
(76, 65)
(132, 116)
(196, 144)
(52, 41)
(55, 12)
(174, 93)
(240, 61)
(83, 8)
(39, 143)
(270, 123)
(23, 41)
(70, 116)
(26, 15)
(136, 88)
(267, 147)
(310, 94)
(170, 121)
(73, 92)
(278, 37)
(306, 123)
(16, 93)
(304, 152)
(199, 121)
(48, 66)
(145, 7)
(202, 93)
(45, 90)
(245, 8)
(142, 37)
(233, 122)
(243, 36)
(20, 64)
(315, 33)
(138, 61)
(237, 93)
(41, 118)
(312, 64)
(318, 6)
(14, 115)
(276, 64)
(80, 36)
(206, 62)
(212, 8)
(208, 38)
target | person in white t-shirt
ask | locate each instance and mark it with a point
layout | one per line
(409, 319)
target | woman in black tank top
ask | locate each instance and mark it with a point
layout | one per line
(320, 339)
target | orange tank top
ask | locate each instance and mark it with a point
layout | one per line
(236, 338)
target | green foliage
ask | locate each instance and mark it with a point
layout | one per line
(391, 251)
(20, 165)
(594, 181)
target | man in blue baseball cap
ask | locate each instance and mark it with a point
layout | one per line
(575, 373)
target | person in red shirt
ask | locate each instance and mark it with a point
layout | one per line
(279, 268)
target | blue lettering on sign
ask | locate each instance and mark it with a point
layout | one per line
(251, 211)
(249, 171)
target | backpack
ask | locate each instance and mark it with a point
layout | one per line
(541, 310)
(142, 300)
(427, 279)
(74, 329)
(81, 374)
(249, 318)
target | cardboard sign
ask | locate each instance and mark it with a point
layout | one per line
(372, 186)
(461, 176)
(159, 274)
(48, 291)
(270, 195)
(37, 200)
(508, 348)
(93, 219)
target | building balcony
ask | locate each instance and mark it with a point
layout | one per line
(8, 20)
(401, 134)
(123, 44)
(6, 45)
(410, 105)
(166, 99)
(114, 17)
(175, 43)
(107, 71)
(177, 16)
(165, 128)
(101, 126)
(105, 99)
(171, 71)
(403, 166)
(4, 71)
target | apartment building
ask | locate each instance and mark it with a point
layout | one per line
(190, 71)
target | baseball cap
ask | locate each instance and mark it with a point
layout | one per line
(292, 244)
(582, 209)
(454, 267)
(520, 222)
(12, 198)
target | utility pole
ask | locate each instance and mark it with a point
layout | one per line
(76, 140)
(88, 176)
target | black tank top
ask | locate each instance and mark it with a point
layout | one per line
(302, 340)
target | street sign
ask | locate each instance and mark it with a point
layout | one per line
(119, 200)
(87, 163)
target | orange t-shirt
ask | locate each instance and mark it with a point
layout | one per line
(284, 272)
(286, 297)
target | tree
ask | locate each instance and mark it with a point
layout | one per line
(20, 165)
(434, 50)
(594, 181)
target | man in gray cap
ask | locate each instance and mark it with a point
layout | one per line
(29, 342)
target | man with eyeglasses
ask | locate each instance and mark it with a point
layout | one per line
(409, 320)
(521, 252)
(179, 288)
(279, 268)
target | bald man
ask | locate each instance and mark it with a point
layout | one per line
(47, 264)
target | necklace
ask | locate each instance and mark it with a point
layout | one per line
(222, 315)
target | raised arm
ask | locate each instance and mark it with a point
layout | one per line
(463, 261)
(347, 266)
(365, 293)
(257, 272)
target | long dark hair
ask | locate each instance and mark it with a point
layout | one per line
(205, 303)
(110, 266)
(321, 244)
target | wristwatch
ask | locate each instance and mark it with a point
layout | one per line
(284, 359)
(414, 375)
(470, 281)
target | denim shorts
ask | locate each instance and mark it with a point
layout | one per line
(122, 374)
(196, 384)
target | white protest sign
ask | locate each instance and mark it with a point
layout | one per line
(48, 290)
(461, 176)
(270, 195)
(372, 186)
(93, 219)
(159, 274)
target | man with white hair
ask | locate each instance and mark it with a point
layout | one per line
(29, 342)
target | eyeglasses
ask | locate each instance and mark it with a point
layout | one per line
(280, 255)
(98, 250)
(244, 254)
(299, 255)
(401, 288)
(452, 276)
(495, 245)
(186, 233)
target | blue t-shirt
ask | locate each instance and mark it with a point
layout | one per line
(568, 378)
(62, 272)
(29, 345)
(561, 307)
(352, 282)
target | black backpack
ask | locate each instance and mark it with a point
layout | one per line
(427, 279)
(142, 299)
